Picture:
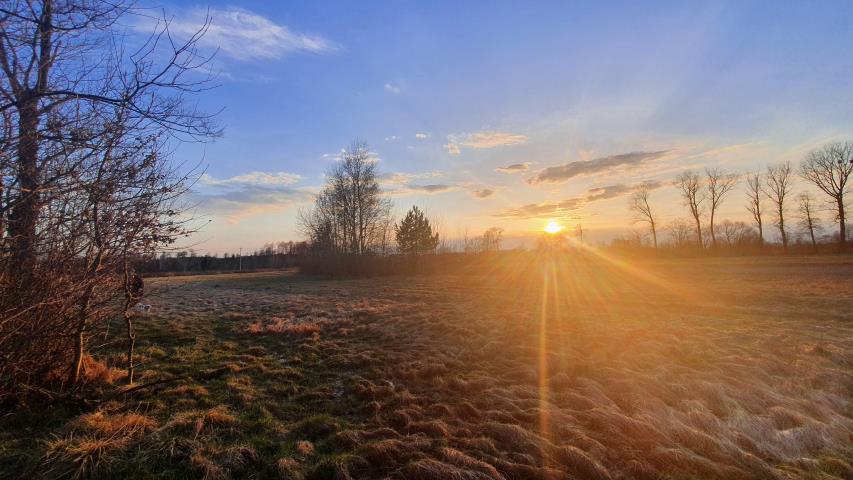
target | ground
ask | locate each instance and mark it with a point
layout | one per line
(590, 368)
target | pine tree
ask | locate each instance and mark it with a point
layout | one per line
(414, 233)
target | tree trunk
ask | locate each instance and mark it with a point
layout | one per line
(131, 342)
(842, 223)
(713, 235)
(82, 319)
(699, 233)
(77, 363)
(654, 236)
(128, 321)
(760, 233)
(2, 214)
(24, 215)
(811, 233)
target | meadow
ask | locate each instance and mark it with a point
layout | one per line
(580, 368)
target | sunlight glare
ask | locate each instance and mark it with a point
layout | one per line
(553, 227)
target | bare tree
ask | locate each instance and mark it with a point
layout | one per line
(777, 187)
(491, 240)
(808, 222)
(753, 193)
(737, 233)
(387, 228)
(679, 232)
(693, 195)
(829, 168)
(719, 183)
(639, 204)
(351, 214)
(85, 176)
(67, 78)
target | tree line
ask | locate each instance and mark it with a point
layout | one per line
(769, 194)
(271, 256)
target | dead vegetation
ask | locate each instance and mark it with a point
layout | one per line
(581, 370)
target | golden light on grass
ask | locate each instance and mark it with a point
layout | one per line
(552, 227)
(544, 389)
(573, 359)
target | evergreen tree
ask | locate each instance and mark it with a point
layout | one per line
(414, 233)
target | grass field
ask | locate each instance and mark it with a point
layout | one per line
(587, 369)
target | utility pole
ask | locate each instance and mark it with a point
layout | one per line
(240, 261)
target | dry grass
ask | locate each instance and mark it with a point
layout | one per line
(730, 368)
(93, 441)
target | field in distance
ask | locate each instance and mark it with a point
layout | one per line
(589, 368)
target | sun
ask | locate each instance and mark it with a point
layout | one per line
(553, 227)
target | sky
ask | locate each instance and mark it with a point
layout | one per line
(506, 114)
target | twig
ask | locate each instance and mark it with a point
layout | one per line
(163, 381)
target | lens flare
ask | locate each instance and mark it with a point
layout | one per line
(553, 227)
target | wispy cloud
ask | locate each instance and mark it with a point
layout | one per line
(421, 136)
(452, 148)
(372, 155)
(399, 183)
(612, 191)
(431, 188)
(242, 35)
(390, 88)
(400, 178)
(252, 178)
(333, 155)
(570, 170)
(564, 207)
(544, 209)
(247, 200)
(483, 193)
(247, 194)
(609, 191)
(490, 139)
(514, 168)
(425, 189)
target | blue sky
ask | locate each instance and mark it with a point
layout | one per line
(448, 94)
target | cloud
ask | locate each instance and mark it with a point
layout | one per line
(492, 139)
(391, 138)
(613, 191)
(545, 209)
(606, 192)
(514, 168)
(563, 173)
(421, 136)
(252, 178)
(452, 148)
(241, 34)
(483, 193)
(399, 183)
(433, 188)
(400, 178)
(489, 139)
(248, 194)
(247, 77)
(248, 200)
(428, 189)
(372, 155)
(392, 88)
(554, 209)
(333, 156)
